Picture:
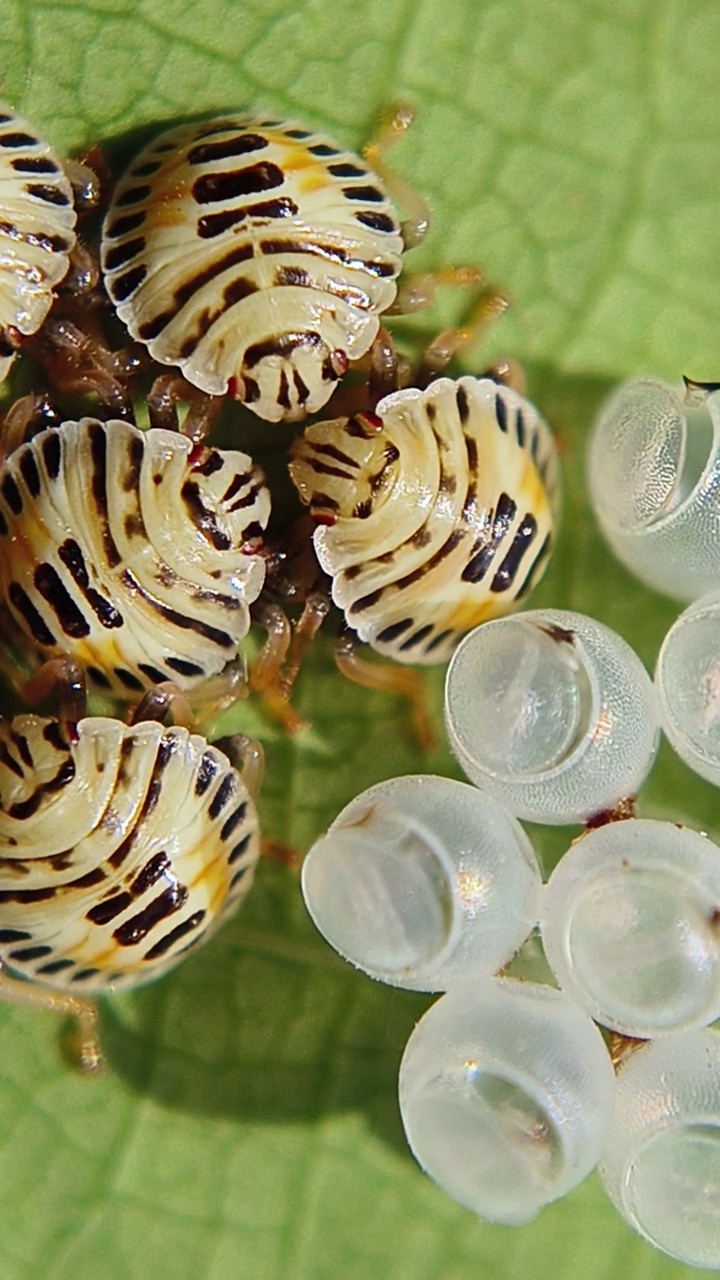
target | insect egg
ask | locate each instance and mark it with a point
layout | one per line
(256, 256)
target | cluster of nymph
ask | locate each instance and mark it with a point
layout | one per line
(250, 260)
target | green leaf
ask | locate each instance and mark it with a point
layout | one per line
(247, 1128)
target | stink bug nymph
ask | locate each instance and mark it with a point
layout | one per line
(37, 231)
(434, 513)
(123, 848)
(257, 256)
(136, 553)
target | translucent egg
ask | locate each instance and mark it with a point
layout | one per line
(630, 926)
(661, 1167)
(506, 1095)
(552, 713)
(687, 680)
(422, 880)
(653, 470)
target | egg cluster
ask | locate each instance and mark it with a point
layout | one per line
(512, 1091)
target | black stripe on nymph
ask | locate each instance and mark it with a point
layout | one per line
(463, 405)
(203, 519)
(30, 953)
(283, 345)
(173, 937)
(394, 631)
(128, 680)
(505, 575)
(328, 252)
(501, 413)
(485, 548)
(347, 171)
(417, 638)
(34, 164)
(139, 926)
(98, 488)
(124, 224)
(377, 221)
(105, 612)
(191, 670)
(369, 195)
(51, 587)
(212, 188)
(122, 253)
(520, 427)
(534, 570)
(47, 193)
(213, 634)
(105, 911)
(234, 820)
(223, 794)
(133, 195)
(11, 494)
(18, 139)
(237, 145)
(29, 472)
(207, 770)
(51, 453)
(126, 284)
(239, 849)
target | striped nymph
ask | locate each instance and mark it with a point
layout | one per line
(123, 848)
(435, 513)
(256, 256)
(136, 553)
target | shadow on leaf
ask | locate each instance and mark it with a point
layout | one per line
(266, 1024)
